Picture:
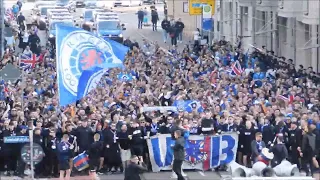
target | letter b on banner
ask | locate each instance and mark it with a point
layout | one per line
(223, 150)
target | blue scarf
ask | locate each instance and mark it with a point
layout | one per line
(259, 146)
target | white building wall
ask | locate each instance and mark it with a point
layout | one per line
(296, 24)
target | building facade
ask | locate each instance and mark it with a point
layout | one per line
(289, 28)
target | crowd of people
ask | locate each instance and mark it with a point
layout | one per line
(260, 96)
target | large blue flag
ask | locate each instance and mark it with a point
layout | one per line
(80, 51)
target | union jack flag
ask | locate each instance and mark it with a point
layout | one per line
(9, 14)
(289, 99)
(195, 152)
(28, 61)
(236, 68)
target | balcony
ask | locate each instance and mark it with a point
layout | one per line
(310, 12)
(247, 3)
(289, 8)
(266, 5)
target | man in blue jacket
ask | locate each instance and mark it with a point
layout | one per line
(64, 157)
(140, 18)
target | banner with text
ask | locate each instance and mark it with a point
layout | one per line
(202, 152)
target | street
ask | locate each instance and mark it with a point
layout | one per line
(127, 16)
(145, 176)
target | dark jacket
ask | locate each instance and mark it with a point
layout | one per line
(268, 134)
(308, 145)
(178, 149)
(280, 153)
(140, 14)
(208, 123)
(165, 24)
(154, 16)
(95, 150)
(180, 26)
(133, 171)
(256, 148)
(84, 137)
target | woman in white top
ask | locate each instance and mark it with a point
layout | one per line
(196, 38)
(27, 50)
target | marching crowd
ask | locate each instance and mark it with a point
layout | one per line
(260, 96)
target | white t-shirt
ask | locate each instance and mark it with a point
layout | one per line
(25, 37)
(196, 35)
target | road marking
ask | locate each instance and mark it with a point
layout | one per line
(201, 173)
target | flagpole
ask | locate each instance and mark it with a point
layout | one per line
(24, 84)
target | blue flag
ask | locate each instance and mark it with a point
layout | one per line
(78, 52)
(92, 77)
(188, 105)
(125, 77)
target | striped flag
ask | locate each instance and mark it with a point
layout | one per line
(236, 68)
(28, 61)
(291, 98)
(9, 14)
(282, 97)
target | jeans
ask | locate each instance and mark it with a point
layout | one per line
(154, 26)
(177, 164)
(180, 36)
(174, 41)
(165, 35)
(140, 23)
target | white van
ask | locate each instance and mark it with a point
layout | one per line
(127, 3)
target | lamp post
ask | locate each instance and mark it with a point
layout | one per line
(2, 9)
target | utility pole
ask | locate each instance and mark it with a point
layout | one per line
(2, 9)
(221, 19)
(231, 22)
(253, 34)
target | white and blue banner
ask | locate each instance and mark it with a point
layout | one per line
(207, 22)
(188, 105)
(80, 51)
(202, 152)
(16, 139)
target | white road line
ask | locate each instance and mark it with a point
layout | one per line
(201, 173)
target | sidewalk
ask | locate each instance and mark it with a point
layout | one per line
(157, 36)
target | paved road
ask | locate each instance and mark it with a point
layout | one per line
(146, 176)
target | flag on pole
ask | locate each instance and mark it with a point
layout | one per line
(28, 61)
(82, 60)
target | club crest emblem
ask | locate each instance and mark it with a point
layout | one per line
(81, 51)
(195, 153)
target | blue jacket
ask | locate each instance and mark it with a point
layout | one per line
(63, 151)
(140, 14)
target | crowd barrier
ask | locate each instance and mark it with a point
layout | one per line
(202, 152)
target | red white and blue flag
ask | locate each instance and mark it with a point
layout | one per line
(236, 68)
(9, 14)
(28, 61)
(289, 98)
(201, 152)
